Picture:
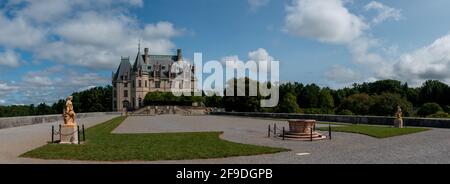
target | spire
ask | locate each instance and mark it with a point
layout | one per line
(139, 46)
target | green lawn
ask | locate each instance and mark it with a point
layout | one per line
(101, 145)
(374, 131)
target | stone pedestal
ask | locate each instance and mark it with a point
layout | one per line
(303, 130)
(398, 123)
(69, 134)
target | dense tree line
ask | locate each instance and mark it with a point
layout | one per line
(96, 99)
(379, 98)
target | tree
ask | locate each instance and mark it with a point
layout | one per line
(429, 109)
(434, 91)
(386, 105)
(326, 101)
(359, 104)
(309, 97)
(288, 104)
(244, 103)
(58, 107)
(154, 98)
(213, 101)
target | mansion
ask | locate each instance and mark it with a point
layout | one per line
(149, 73)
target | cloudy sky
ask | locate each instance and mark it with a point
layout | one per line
(50, 48)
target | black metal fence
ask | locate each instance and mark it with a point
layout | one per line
(59, 134)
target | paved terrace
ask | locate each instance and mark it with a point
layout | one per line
(18, 140)
(425, 147)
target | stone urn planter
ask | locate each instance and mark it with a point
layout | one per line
(303, 130)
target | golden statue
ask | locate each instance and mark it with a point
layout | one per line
(69, 113)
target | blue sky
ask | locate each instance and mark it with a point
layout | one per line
(50, 48)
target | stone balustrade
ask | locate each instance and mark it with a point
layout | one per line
(375, 120)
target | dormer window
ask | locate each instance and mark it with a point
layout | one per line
(163, 67)
(149, 67)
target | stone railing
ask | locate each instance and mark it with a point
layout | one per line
(31, 120)
(375, 120)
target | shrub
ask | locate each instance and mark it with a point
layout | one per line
(439, 114)
(314, 111)
(346, 112)
(429, 109)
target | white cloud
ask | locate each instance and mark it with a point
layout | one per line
(429, 62)
(53, 83)
(342, 74)
(260, 54)
(327, 21)
(87, 33)
(18, 33)
(384, 12)
(4, 87)
(256, 4)
(10, 58)
(161, 30)
(6, 90)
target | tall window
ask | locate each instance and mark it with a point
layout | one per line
(157, 84)
(125, 93)
(132, 84)
(125, 84)
(139, 83)
(145, 83)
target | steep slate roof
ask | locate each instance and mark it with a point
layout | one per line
(139, 63)
(163, 60)
(123, 70)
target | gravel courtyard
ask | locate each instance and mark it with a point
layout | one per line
(425, 147)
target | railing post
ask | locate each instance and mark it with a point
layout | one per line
(311, 136)
(268, 132)
(283, 133)
(53, 133)
(329, 131)
(275, 129)
(60, 133)
(78, 133)
(84, 135)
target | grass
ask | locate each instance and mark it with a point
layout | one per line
(101, 145)
(375, 131)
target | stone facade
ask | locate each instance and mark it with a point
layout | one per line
(149, 73)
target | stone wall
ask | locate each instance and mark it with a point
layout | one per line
(31, 120)
(375, 120)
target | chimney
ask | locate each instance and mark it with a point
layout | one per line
(146, 55)
(180, 56)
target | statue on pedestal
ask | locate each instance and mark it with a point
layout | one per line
(69, 130)
(398, 123)
(69, 113)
